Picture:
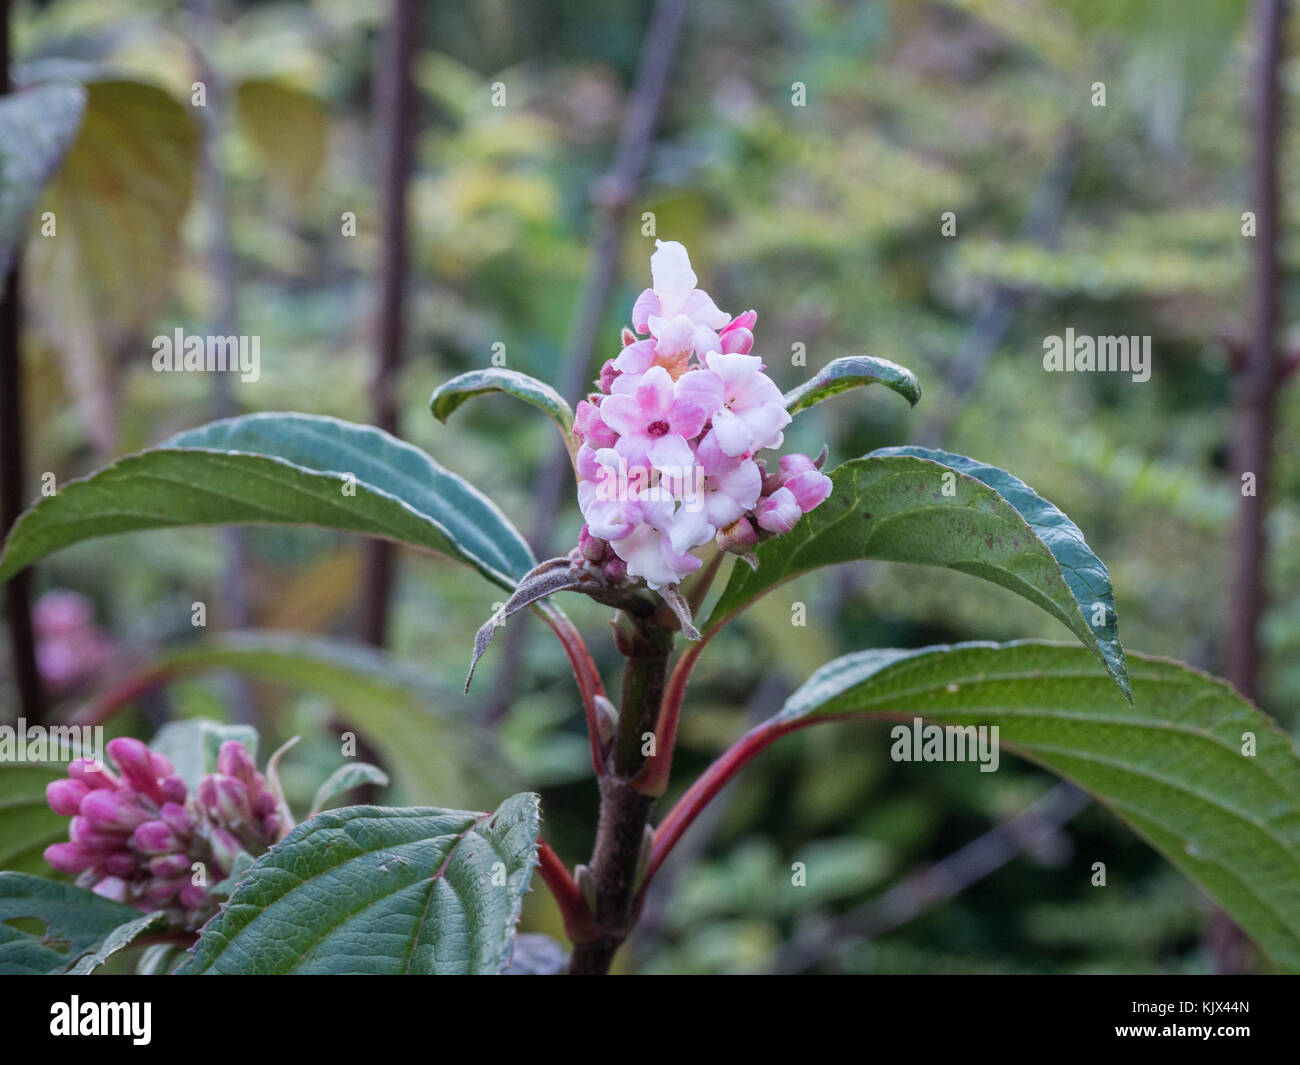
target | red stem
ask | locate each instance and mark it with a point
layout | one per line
(578, 925)
(585, 673)
(713, 780)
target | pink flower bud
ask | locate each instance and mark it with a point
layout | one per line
(809, 488)
(741, 321)
(133, 760)
(738, 537)
(114, 811)
(795, 464)
(174, 790)
(70, 857)
(192, 896)
(225, 798)
(83, 830)
(123, 864)
(64, 796)
(592, 548)
(778, 512)
(111, 887)
(628, 336)
(155, 837)
(271, 827)
(162, 765)
(265, 802)
(160, 889)
(615, 569)
(233, 760)
(737, 340)
(168, 865)
(91, 773)
(608, 372)
(177, 818)
(225, 849)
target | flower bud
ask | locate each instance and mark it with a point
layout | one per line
(92, 773)
(226, 799)
(608, 372)
(174, 790)
(192, 896)
(114, 811)
(111, 887)
(155, 837)
(122, 863)
(271, 826)
(738, 537)
(778, 512)
(64, 796)
(133, 760)
(233, 760)
(168, 865)
(83, 830)
(737, 340)
(225, 849)
(70, 857)
(615, 568)
(177, 818)
(160, 889)
(162, 765)
(809, 488)
(592, 548)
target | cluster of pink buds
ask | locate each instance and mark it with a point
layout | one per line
(136, 837)
(71, 650)
(669, 442)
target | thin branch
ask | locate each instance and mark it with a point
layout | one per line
(578, 924)
(17, 593)
(396, 100)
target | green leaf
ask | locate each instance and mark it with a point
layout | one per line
(119, 939)
(77, 923)
(193, 745)
(853, 372)
(412, 723)
(376, 890)
(27, 824)
(520, 385)
(294, 469)
(345, 778)
(1171, 764)
(933, 508)
(290, 128)
(36, 128)
(119, 201)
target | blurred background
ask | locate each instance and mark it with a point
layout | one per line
(388, 194)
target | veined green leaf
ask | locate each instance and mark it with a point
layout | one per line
(930, 507)
(294, 469)
(374, 890)
(81, 928)
(853, 372)
(1203, 776)
(451, 395)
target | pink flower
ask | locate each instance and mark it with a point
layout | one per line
(656, 420)
(681, 318)
(752, 413)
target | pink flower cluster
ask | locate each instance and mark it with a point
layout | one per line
(71, 650)
(135, 838)
(667, 458)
